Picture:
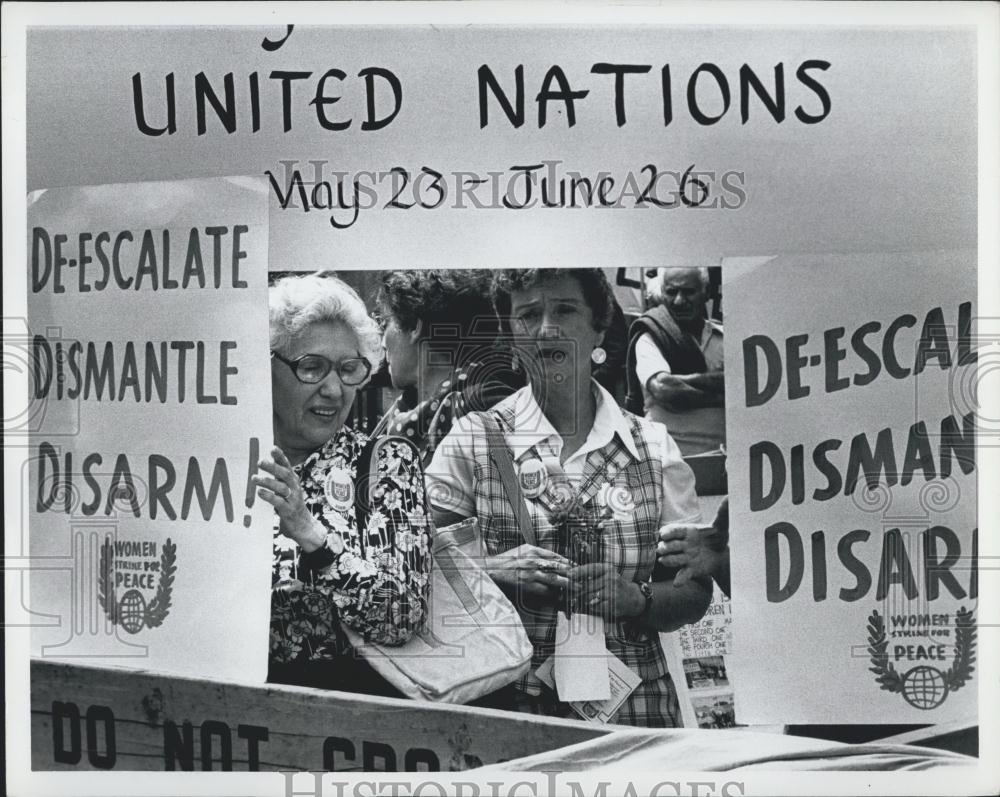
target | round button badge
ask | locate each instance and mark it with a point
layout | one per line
(532, 477)
(339, 489)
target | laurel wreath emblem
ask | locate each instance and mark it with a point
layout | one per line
(159, 607)
(106, 581)
(955, 677)
(965, 650)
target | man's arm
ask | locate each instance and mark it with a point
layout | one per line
(698, 551)
(689, 391)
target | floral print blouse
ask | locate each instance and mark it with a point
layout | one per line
(376, 580)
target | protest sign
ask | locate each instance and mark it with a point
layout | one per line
(697, 659)
(625, 145)
(148, 312)
(698, 653)
(851, 417)
(81, 720)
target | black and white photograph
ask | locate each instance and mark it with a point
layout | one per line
(498, 399)
(715, 712)
(706, 672)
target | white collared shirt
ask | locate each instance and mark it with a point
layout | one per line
(450, 476)
(649, 360)
(696, 429)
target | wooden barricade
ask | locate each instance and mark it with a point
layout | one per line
(116, 719)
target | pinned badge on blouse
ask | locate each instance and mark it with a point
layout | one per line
(339, 489)
(621, 501)
(532, 476)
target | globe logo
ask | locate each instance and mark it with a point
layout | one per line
(924, 687)
(132, 611)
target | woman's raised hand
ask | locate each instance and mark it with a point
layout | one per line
(530, 574)
(281, 489)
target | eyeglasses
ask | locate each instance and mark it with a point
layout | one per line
(314, 368)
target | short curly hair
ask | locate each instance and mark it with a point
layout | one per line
(443, 302)
(296, 301)
(597, 291)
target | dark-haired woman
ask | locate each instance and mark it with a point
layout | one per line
(598, 484)
(441, 336)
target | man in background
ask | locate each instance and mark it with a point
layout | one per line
(675, 364)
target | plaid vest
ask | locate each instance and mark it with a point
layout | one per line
(627, 540)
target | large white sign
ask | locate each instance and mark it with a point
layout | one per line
(851, 417)
(508, 146)
(148, 351)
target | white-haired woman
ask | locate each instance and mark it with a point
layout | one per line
(325, 569)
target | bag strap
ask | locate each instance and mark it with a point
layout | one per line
(383, 423)
(500, 456)
(366, 478)
(456, 568)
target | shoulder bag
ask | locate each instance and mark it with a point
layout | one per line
(473, 642)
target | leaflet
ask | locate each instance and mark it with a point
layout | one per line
(621, 680)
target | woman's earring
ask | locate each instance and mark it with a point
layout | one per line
(599, 356)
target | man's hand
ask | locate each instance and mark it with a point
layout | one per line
(688, 547)
(699, 551)
(688, 391)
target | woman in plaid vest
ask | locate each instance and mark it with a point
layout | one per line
(598, 484)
